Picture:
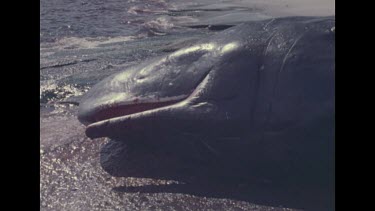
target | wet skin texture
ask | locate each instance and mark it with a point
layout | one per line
(254, 100)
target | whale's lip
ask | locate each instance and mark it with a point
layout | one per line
(103, 125)
(116, 110)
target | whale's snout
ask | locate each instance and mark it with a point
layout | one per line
(113, 98)
(158, 83)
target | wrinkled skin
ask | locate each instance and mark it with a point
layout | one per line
(257, 96)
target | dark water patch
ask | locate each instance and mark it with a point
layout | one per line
(212, 9)
(74, 101)
(48, 96)
(211, 27)
(59, 65)
(62, 64)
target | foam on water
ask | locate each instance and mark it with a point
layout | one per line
(50, 92)
(86, 42)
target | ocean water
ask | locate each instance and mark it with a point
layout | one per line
(83, 41)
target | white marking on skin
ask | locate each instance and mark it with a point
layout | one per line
(265, 26)
(110, 99)
(229, 47)
(149, 68)
(213, 150)
(207, 47)
(199, 104)
(123, 76)
(269, 42)
(290, 49)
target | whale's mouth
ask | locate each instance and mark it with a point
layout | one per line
(125, 110)
(108, 112)
(100, 121)
(105, 119)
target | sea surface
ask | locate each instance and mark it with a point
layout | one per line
(82, 41)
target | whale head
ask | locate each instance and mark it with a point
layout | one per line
(182, 92)
(227, 85)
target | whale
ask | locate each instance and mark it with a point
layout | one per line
(259, 95)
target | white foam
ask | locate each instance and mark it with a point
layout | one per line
(87, 43)
(62, 92)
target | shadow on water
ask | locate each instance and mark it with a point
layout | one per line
(204, 176)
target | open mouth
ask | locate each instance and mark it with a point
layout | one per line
(104, 120)
(113, 111)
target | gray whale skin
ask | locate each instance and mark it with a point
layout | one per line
(259, 94)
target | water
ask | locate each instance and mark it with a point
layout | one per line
(94, 18)
(83, 41)
(111, 18)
